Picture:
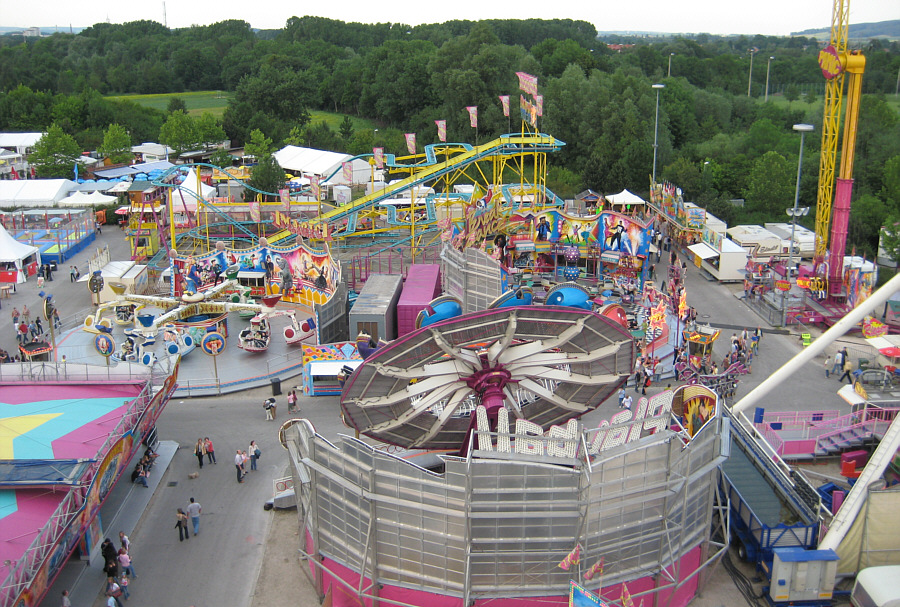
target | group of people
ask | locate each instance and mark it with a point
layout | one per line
(29, 329)
(141, 471)
(646, 370)
(843, 363)
(205, 447)
(74, 274)
(252, 455)
(192, 511)
(118, 567)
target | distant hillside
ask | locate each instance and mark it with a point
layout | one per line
(881, 29)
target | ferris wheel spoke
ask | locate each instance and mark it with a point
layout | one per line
(422, 405)
(565, 358)
(419, 388)
(549, 396)
(552, 373)
(443, 368)
(499, 347)
(457, 353)
(449, 410)
(530, 349)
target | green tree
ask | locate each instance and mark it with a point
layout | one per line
(116, 144)
(55, 154)
(180, 133)
(890, 236)
(209, 130)
(259, 146)
(266, 176)
(770, 186)
(810, 97)
(791, 93)
(176, 104)
(346, 129)
(221, 158)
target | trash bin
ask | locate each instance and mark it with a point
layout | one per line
(276, 386)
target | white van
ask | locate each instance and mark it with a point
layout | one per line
(877, 587)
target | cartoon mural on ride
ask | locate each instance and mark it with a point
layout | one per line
(300, 274)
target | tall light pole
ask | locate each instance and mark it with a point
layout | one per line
(768, 65)
(750, 79)
(669, 74)
(794, 213)
(658, 88)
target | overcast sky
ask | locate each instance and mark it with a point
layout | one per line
(771, 17)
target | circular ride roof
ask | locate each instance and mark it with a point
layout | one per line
(420, 390)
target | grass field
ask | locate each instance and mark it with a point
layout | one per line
(196, 102)
(215, 102)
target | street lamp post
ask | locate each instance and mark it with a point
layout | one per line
(795, 212)
(768, 65)
(658, 88)
(669, 74)
(750, 79)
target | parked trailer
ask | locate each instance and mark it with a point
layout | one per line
(375, 309)
(422, 285)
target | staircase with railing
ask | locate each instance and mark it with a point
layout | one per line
(805, 435)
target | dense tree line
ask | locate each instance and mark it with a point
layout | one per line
(715, 141)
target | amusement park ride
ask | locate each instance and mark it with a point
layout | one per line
(201, 311)
(837, 62)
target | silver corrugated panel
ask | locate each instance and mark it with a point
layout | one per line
(499, 527)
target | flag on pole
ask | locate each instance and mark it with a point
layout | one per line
(348, 172)
(314, 182)
(539, 102)
(285, 196)
(253, 207)
(442, 129)
(473, 115)
(596, 568)
(573, 558)
(411, 142)
(379, 157)
(626, 597)
(527, 83)
(504, 100)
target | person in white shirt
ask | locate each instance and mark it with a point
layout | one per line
(194, 510)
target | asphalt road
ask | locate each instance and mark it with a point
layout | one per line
(221, 566)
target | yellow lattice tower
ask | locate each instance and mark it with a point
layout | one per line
(831, 127)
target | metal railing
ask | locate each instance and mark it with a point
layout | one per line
(21, 572)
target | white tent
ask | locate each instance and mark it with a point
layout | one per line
(184, 198)
(14, 253)
(30, 193)
(321, 163)
(625, 197)
(83, 199)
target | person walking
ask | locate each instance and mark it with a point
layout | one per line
(194, 511)
(292, 401)
(210, 451)
(269, 407)
(26, 314)
(15, 317)
(838, 362)
(827, 366)
(621, 395)
(626, 404)
(254, 453)
(125, 563)
(71, 273)
(200, 451)
(848, 368)
(66, 601)
(181, 524)
(238, 464)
